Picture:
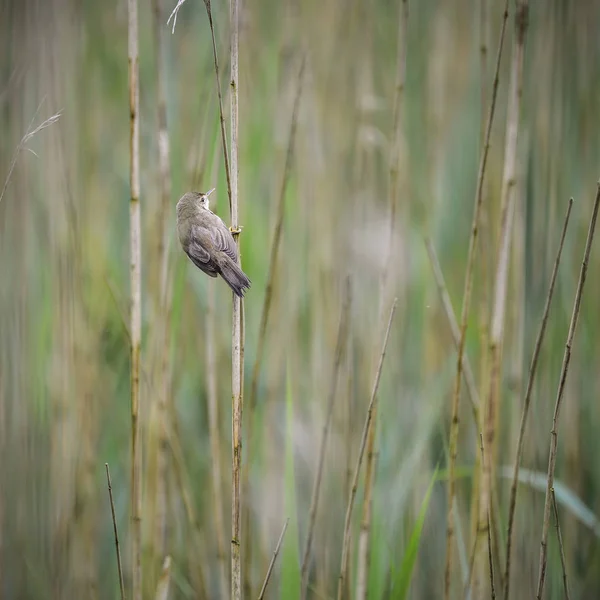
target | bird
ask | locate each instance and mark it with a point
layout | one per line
(208, 241)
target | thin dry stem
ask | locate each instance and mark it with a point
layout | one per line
(454, 423)
(264, 319)
(215, 438)
(451, 317)
(314, 503)
(162, 588)
(273, 559)
(560, 394)
(364, 537)
(221, 112)
(361, 452)
(136, 302)
(161, 333)
(527, 401)
(508, 203)
(114, 520)
(237, 351)
(188, 504)
(563, 562)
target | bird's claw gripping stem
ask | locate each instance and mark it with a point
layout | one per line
(236, 230)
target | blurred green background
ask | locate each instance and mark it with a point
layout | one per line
(64, 291)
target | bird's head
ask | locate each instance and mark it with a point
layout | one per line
(203, 198)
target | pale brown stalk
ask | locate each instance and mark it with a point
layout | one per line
(454, 422)
(563, 562)
(340, 348)
(162, 589)
(221, 112)
(135, 327)
(451, 317)
(560, 394)
(264, 320)
(237, 341)
(361, 452)
(397, 132)
(215, 439)
(114, 520)
(527, 401)
(272, 563)
(159, 413)
(195, 557)
(508, 202)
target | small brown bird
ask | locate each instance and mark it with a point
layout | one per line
(208, 241)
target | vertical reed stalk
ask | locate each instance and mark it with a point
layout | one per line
(454, 422)
(527, 402)
(163, 305)
(397, 132)
(264, 320)
(560, 393)
(361, 453)
(314, 503)
(237, 341)
(135, 327)
(508, 201)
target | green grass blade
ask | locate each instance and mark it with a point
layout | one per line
(402, 577)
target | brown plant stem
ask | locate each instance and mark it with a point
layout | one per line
(314, 503)
(386, 282)
(451, 317)
(560, 395)
(237, 351)
(527, 401)
(563, 562)
(361, 452)
(136, 301)
(264, 320)
(114, 520)
(272, 563)
(221, 112)
(454, 423)
(508, 204)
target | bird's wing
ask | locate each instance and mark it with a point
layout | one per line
(197, 248)
(223, 241)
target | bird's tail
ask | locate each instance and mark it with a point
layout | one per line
(235, 278)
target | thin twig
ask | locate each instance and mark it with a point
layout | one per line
(221, 112)
(273, 559)
(114, 520)
(527, 401)
(560, 394)
(264, 318)
(561, 547)
(363, 443)
(454, 423)
(314, 503)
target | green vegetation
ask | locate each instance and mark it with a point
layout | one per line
(65, 293)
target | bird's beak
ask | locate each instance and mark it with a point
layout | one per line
(210, 192)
